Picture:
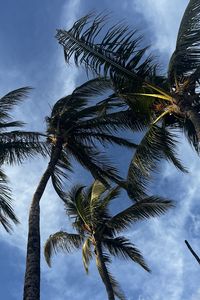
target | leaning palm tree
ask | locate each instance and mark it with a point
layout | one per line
(97, 230)
(75, 129)
(15, 146)
(174, 99)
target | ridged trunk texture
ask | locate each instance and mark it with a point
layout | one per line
(104, 272)
(32, 273)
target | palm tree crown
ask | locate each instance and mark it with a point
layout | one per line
(173, 99)
(97, 230)
(80, 128)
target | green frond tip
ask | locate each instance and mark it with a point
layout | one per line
(86, 254)
(98, 188)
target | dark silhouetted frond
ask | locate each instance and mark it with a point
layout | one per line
(61, 241)
(185, 60)
(19, 145)
(146, 208)
(117, 55)
(11, 99)
(6, 211)
(122, 247)
(86, 253)
(158, 143)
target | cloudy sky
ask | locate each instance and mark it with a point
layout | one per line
(30, 56)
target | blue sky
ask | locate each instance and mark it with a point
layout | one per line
(30, 56)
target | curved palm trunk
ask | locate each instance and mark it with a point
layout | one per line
(32, 273)
(103, 271)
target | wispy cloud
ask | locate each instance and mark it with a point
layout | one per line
(163, 18)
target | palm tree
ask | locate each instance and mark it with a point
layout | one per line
(172, 99)
(75, 129)
(97, 230)
(15, 146)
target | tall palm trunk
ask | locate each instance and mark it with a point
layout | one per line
(100, 261)
(32, 273)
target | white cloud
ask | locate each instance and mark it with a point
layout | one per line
(163, 17)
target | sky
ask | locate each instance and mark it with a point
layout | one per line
(31, 56)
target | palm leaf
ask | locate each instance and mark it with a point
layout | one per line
(11, 99)
(144, 209)
(60, 174)
(110, 196)
(116, 55)
(98, 188)
(61, 241)
(121, 120)
(158, 143)
(122, 247)
(107, 138)
(6, 211)
(185, 60)
(5, 125)
(72, 105)
(86, 253)
(71, 199)
(19, 145)
(98, 164)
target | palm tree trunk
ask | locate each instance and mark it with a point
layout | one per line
(32, 273)
(192, 251)
(103, 271)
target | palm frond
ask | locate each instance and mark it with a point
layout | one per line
(117, 55)
(116, 121)
(98, 164)
(86, 253)
(104, 139)
(7, 214)
(158, 143)
(190, 132)
(122, 247)
(11, 99)
(185, 60)
(61, 241)
(110, 196)
(98, 188)
(71, 199)
(5, 125)
(60, 173)
(70, 106)
(144, 209)
(19, 145)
